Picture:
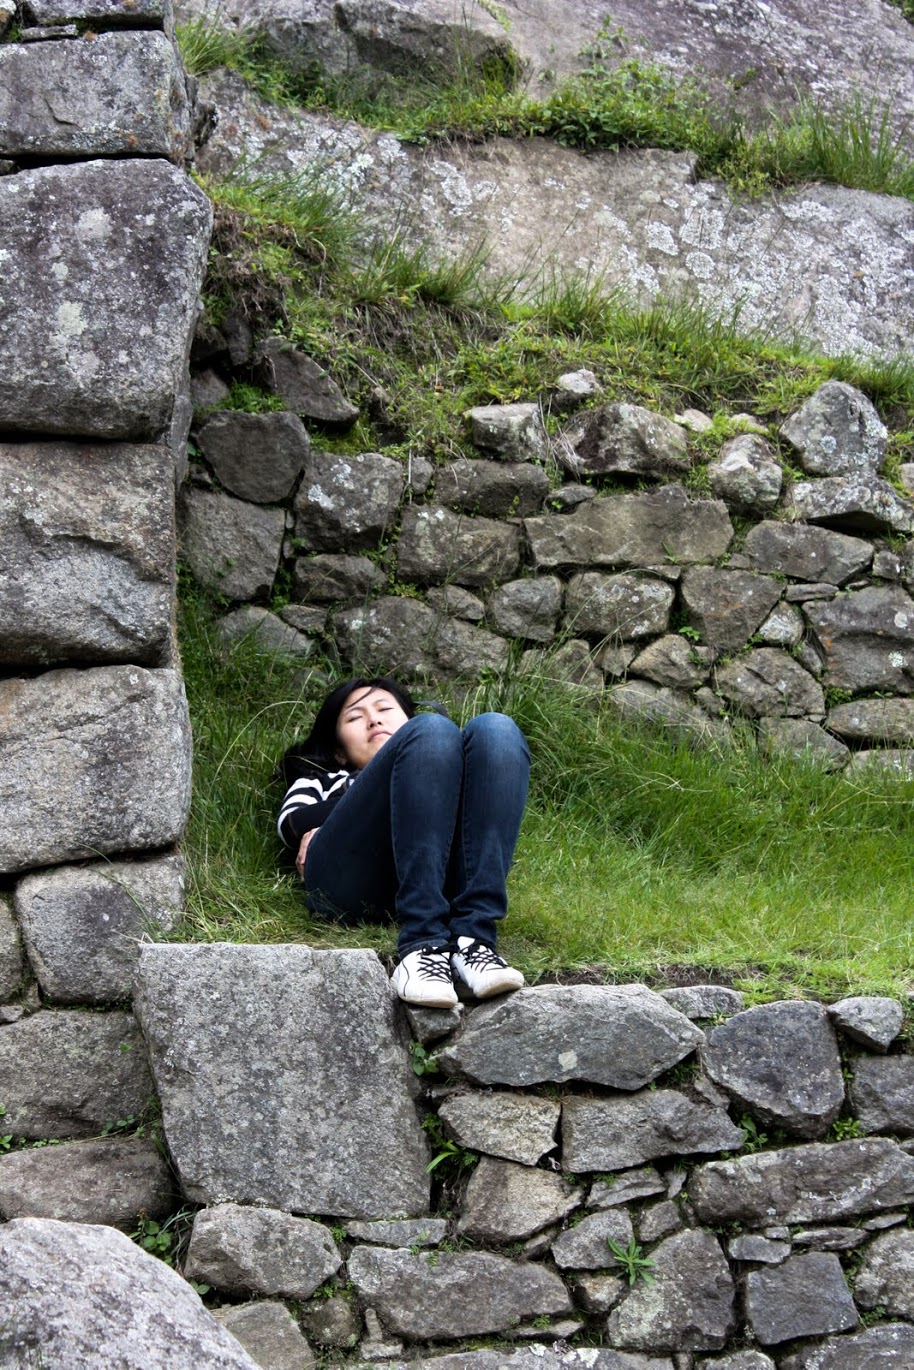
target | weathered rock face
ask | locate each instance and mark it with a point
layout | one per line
(623, 439)
(260, 1249)
(837, 433)
(108, 1181)
(231, 546)
(496, 489)
(302, 385)
(746, 475)
(865, 638)
(12, 963)
(871, 1019)
(448, 1296)
(806, 1296)
(727, 606)
(103, 14)
(269, 1333)
(295, 1136)
(615, 1133)
(622, 1036)
(258, 626)
(98, 345)
(331, 578)
(689, 1306)
(882, 1094)
(87, 1296)
(410, 639)
(347, 503)
(890, 1343)
(506, 1202)
(586, 1246)
(256, 456)
(117, 94)
(512, 432)
(92, 761)
(86, 553)
(767, 683)
(887, 1274)
(862, 504)
(620, 606)
(69, 1074)
(517, 1127)
(807, 552)
(437, 545)
(527, 609)
(82, 925)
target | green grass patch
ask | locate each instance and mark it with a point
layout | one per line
(636, 854)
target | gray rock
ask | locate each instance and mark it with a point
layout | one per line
(882, 1094)
(507, 1202)
(617, 1132)
(527, 609)
(874, 720)
(409, 1232)
(299, 1135)
(819, 1182)
(658, 1221)
(598, 1293)
(91, 762)
(442, 1297)
(806, 552)
(269, 1334)
(800, 594)
(121, 95)
(806, 1296)
(782, 628)
(12, 963)
(829, 1238)
(102, 14)
(727, 606)
(632, 530)
(541, 1357)
(673, 661)
(82, 925)
(767, 682)
(431, 1024)
(347, 504)
(623, 439)
(887, 565)
(69, 1074)
(257, 457)
(586, 1246)
(494, 488)
(837, 432)
(109, 1181)
(207, 391)
(260, 1250)
(514, 432)
(572, 389)
(639, 702)
(624, 1188)
(86, 553)
(746, 475)
(303, 386)
(753, 1247)
(704, 1001)
(865, 638)
(689, 1305)
(617, 1035)
(230, 546)
(333, 577)
(404, 637)
(305, 618)
(141, 1313)
(889, 1344)
(871, 1019)
(853, 504)
(333, 1322)
(517, 1127)
(900, 762)
(570, 666)
(741, 1360)
(457, 603)
(437, 545)
(128, 241)
(620, 606)
(802, 738)
(781, 1062)
(266, 632)
(570, 496)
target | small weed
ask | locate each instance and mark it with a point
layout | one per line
(167, 1239)
(635, 1264)
(423, 1062)
(843, 1129)
(450, 1158)
(755, 1139)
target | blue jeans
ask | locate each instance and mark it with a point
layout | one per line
(426, 833)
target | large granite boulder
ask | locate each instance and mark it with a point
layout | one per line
(819, 1182)
(438, 545)
(259, 1055)
(242, 1250)
(111, 1181)
(837, 432)
(82, 925)
(106, 260)
(116, 95)
(257, 457)
(622, 1036)
(436, 1296)
(780, 1061)
(88, 1298)
(689, 1305)
(405, 637)
(91, 762)
(347, 504)
(654, 528)
(69, 1074)
(866, 638)
(87, 545)
(230, 545)
(618, 1132)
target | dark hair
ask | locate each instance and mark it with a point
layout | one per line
(321, 747)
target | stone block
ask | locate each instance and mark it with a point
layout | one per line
(108, 95)
(497, 489)
(805, 1296)
(516, 1127)
(402, 636)
(882, 1094)
(620, 607)
(866, 638)
(92, 762)
(230, 546)
(616, 1133)
(257, 457)
(688, 1307)
(438, 545)
(105, 260)
(507, 1202)
(260, 1250)
(318, 1131)
(269, 1334)
(347, 503)
(623, 439)
(12, 962)
(87, 547)
(837, 432)
(110, 1181)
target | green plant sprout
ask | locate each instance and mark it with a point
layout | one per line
(635, 1264)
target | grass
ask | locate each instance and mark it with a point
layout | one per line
(635, 855)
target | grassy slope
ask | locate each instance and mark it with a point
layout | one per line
(634, 854)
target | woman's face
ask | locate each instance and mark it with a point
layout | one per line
(367, 719)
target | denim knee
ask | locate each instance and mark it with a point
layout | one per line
(497, 731)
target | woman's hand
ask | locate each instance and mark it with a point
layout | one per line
(302, 852)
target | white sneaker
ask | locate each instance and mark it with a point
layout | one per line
(482, 970)
(424, 977)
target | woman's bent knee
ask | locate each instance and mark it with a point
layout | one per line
(496, 730)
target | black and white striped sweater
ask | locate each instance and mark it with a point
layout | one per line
(309, 800)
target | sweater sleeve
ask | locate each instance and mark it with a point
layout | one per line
(308, 802)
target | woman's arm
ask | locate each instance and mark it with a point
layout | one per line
(308, 802)
(303, 851)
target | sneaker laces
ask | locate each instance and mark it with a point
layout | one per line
(480, 957)
(434, 964)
